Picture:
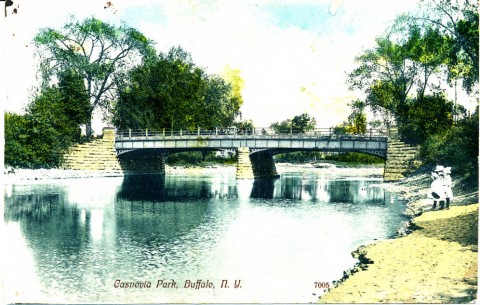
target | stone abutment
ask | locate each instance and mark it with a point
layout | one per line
(255, 165)
(402, 159)
(100, 155)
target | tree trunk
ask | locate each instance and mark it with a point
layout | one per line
(89, 130)
(88, 125)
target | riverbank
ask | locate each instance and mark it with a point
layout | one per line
(437, 262)
(329, 169)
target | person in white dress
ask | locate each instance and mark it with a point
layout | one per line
(447, 184)
(437, 190)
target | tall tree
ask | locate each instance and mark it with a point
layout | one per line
(457, 20)
(386, 71)
(171, 92)
(430, 50)
(403, 61)
(237, 83)
(74, 100)
(99, 52)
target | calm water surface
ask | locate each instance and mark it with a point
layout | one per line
(70, 240)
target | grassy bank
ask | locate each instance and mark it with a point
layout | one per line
(436, 263)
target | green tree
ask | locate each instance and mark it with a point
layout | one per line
(74, 103)
(17, 150)
(357, 120)
(244, 124)
(46, 133)
(170, 91)
(424, 116)
(457, 21)
(51, 124)
(390, 71)
(284, 126)
(99, 52)
(404, 60)
(456, 147)
(298, 124)
(430, 50)
(221, 106)
(303, 122)
(386, 73)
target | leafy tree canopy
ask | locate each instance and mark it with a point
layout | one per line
(457, 21)
(299, 123)
(357, 120)
(170, 91)
(99, 52)
(404, 60)
(244, 124)
(52, 123)
(457, 147)
(423, 116)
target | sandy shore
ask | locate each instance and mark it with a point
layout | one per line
(436, 263)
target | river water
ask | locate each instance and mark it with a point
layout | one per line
(276, 241)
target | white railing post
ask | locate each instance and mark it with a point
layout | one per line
(146, 133)
(129, 133)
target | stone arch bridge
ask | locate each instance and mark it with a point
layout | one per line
(144, 151)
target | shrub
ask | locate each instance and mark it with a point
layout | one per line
(424, 116)
(456, 147)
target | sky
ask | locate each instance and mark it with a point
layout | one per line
(294, 55)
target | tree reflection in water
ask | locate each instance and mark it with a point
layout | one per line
(151, 205)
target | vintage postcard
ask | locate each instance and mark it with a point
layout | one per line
(251, 151)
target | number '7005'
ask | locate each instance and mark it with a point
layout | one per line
(322, 285)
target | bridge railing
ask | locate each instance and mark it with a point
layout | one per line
(232, 132)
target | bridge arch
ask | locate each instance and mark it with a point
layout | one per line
(377, 153)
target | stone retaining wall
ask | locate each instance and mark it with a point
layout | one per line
(98, 154)
(244, 165)
(401, 159)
